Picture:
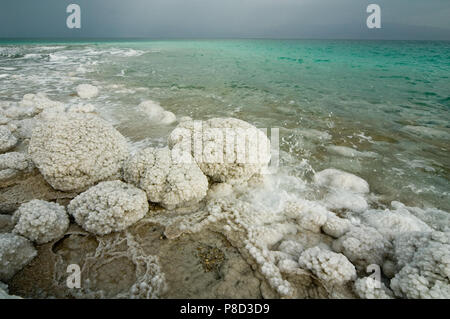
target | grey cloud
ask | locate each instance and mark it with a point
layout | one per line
(402, 19)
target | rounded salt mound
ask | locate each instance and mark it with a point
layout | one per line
(109, 207)
(327, 265)
(169, 178)
(228, 150)
(76, 150)
(87, 91)
(41, 221)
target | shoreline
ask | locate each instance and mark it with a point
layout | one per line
(243, 236)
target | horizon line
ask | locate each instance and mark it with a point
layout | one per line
(74, 39)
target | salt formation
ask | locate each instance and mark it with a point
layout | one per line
(87, 91)
(168, 178)
(156, 113)
(369, 288)
(435, 218)
(14, 163)
(343, 190)
(327, 265)
(119, 266)
(82, 108)
(7, 140)
(109, 207)
(309, 215)
(21, 116)
(334, 178)
(292, 248)
(393, 223)
(424, 262)
(150, 281)
(30, 106)
(293, 245)
(76, 150)
(40, 102)
(336, 226)
(41, 221)
(23, 128)
(257, 232)
(15, 252)
(363, 246)
(226, 149)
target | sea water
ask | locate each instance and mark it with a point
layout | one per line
(377, 109)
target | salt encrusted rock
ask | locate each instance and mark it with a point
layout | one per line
(327, 265)
(87, 91)
(363, 246)
(14, 111)
(310, 215)
(226, 149)
(21, 116)
(391, 223)
(343, 190)
(23, 129)
(156, 113)
(336, 226)
(30, 106)
(76, 150)
(40, 102)
(338, 200)
(424, 262)
(14, 163)
(370, 288)
(41, 221)
(437, 219)
(82, 108)
(292, 248)
(109, 207)
(7, 139)
(15, 253)
(338, 179)
(168, 178)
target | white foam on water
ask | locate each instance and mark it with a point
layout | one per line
(427, 132)
(50, 48)
(57, 57)
(126, 53)
(349, 152)
(32, 56)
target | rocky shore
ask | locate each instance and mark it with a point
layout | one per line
(176, 222)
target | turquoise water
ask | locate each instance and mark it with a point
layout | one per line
(390, 101)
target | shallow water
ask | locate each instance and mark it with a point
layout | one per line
(389, 101)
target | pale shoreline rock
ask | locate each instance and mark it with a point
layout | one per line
(76, 150)
(87, 91)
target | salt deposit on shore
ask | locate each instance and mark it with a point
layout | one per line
(166, 222)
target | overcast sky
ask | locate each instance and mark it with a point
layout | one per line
(401, 19)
